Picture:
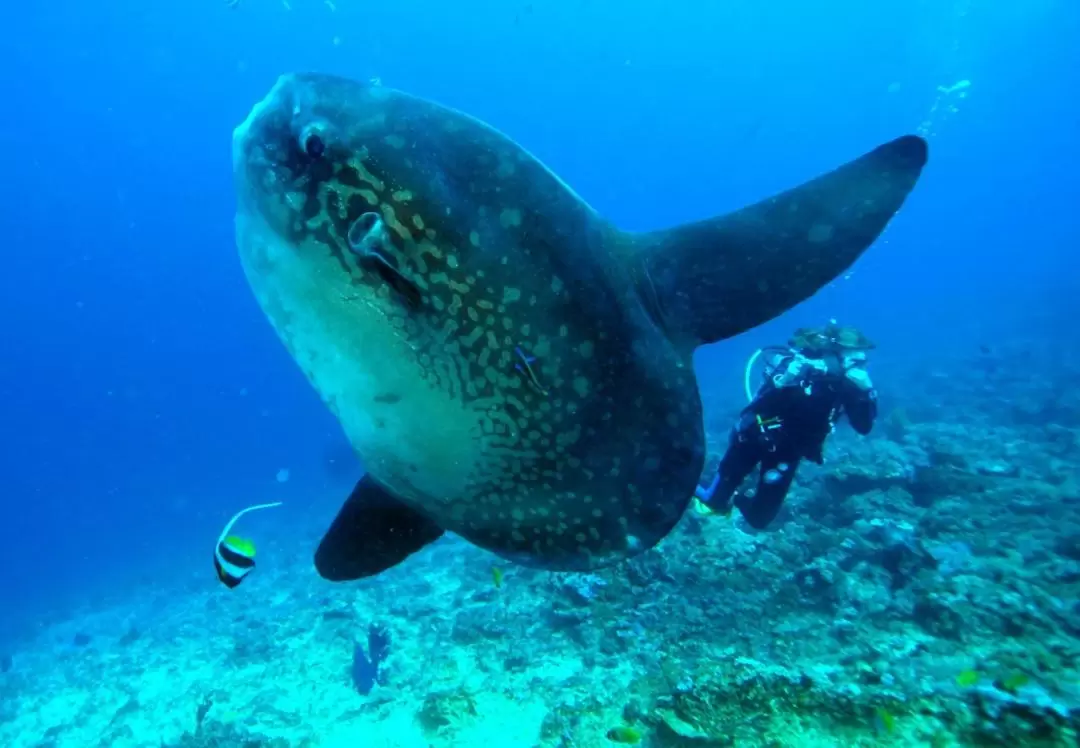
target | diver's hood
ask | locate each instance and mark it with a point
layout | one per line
(832, 338)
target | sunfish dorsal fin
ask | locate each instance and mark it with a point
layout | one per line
(713, 279)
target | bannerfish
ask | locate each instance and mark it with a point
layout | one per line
(508, 365)
(234, 557)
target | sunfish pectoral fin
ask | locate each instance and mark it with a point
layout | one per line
(714, 279)
(372, 532)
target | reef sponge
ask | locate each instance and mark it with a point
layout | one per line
(743, 698)
(1027, 715)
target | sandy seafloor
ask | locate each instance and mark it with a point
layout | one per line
(920, 589)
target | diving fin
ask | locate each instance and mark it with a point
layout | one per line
(372, 532)
(716, 278)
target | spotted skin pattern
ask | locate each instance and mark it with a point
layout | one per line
(526, 399)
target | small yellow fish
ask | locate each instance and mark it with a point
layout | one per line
(1014, 682)
(968, 678)
(704, 509)
(623, 734)
(497, 576)
(884, 720)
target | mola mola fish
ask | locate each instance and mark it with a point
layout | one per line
(508, 365)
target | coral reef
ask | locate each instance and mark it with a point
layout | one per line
(920, 588)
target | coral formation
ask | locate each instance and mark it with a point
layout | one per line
(921, 588)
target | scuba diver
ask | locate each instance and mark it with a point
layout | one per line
(820, 375)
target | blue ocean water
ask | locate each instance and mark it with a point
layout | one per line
(145, 397)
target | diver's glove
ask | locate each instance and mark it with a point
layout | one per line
(860, 378)
(798, 369)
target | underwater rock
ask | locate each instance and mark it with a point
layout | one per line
(516, 663)
(897, 424)
(482, 595)
(1068, 545)
(1066, 572)
(561, 619)
(582, 589)
(935, 616)
(444, 710)
(647, 568)
(560, 724)
(952, 558)
(879, 599)
(869, 465)
(897, 550)
(634, 711)
(248, 650)
(202, 710)
(844, 630)
(932, 484)
(473, 625)
(221, 735)
(338, 615)
(1031, 712)
(1062, 441)
(817, 585)
(623, 638)
(996, 468)
(688, 733)
(738, 701)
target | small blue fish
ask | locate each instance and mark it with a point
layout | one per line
(530, 375)
(526, 359)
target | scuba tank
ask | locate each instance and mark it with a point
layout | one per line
(750, 366)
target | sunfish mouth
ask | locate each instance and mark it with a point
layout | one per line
(281, 149)
(248, 132)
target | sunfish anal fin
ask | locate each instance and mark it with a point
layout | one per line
(372, 532)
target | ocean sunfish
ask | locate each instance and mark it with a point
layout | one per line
(508, 365)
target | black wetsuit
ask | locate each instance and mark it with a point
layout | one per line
(780, 427)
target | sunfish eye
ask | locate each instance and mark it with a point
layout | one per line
(312, 142)
(314, 146)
